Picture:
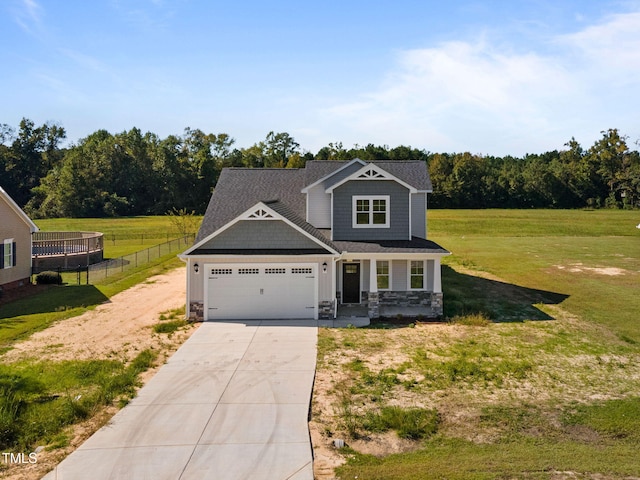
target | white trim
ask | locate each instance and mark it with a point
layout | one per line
(317, 182)
(14, 206)
(258, 214)
(331, 195)
(8, 241)
(370, 198)
(362, 174)
(410, 226)
(437, 276)
(245, 216)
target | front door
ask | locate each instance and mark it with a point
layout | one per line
(350, 283)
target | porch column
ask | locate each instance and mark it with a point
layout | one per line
(374, 297)
(373, 276)
(437, 281)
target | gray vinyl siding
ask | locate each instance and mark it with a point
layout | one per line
(419, 215)
(319, 202)
(343, 204)
(260, 234)
(399, 275)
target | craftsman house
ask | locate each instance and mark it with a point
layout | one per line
(301, 243)
(15, 243)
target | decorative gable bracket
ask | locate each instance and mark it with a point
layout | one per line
(372, 173)
(259, 214)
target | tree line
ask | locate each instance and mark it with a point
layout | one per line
(135, 173)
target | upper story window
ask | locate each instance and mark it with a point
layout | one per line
(371, 211)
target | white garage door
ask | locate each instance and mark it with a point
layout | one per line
(264, 290)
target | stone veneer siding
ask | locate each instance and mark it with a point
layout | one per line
(429, 303)
(196, 311)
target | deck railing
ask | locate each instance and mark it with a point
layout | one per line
(47, 244)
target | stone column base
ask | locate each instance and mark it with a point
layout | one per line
(196, 311)
(374, 305)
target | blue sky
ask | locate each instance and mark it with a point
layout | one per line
(490, 77)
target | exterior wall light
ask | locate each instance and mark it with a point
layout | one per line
(324, 267)
(196, 267)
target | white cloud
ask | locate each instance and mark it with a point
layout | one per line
(476, 96)
(458, 88)
(615, 43)
(28, 14)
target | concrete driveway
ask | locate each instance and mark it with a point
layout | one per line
(231, 403)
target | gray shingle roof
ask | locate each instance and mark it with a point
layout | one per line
(238, 189)
(415, 245)
(413, 172)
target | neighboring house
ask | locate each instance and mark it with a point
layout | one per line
(15, 243)
(299, 243)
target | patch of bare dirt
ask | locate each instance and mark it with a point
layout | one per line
(120, 329)
(581, 268)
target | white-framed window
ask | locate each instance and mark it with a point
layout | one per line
(383, 274)
(417, 280)
(371, 211)
(8, 253)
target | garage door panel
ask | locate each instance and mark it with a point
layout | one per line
(250, 291)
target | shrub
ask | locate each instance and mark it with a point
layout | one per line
(49, 278)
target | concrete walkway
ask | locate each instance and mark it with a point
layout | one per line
(231, 403)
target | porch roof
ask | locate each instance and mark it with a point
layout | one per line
(415, 245)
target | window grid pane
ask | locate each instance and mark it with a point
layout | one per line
(362, 218)
(417, 274)
(379, 218)
(379, 205)
(382, 271)
(362, 205)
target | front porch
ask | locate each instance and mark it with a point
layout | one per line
(389, 286)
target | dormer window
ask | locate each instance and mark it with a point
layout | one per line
(371, 211)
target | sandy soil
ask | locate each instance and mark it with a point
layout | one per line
(120, 329)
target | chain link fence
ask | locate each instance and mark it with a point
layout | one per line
(100, 271)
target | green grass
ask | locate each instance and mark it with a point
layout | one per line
(37, 399)
(134, 228)
(409, 423)
(169, 326)
(538, 250)
(616, 419)
(122, 235)
(514, 373)
(454, 459)
(21, 318)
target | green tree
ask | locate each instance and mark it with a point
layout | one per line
(33, 152)
(278, 148)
